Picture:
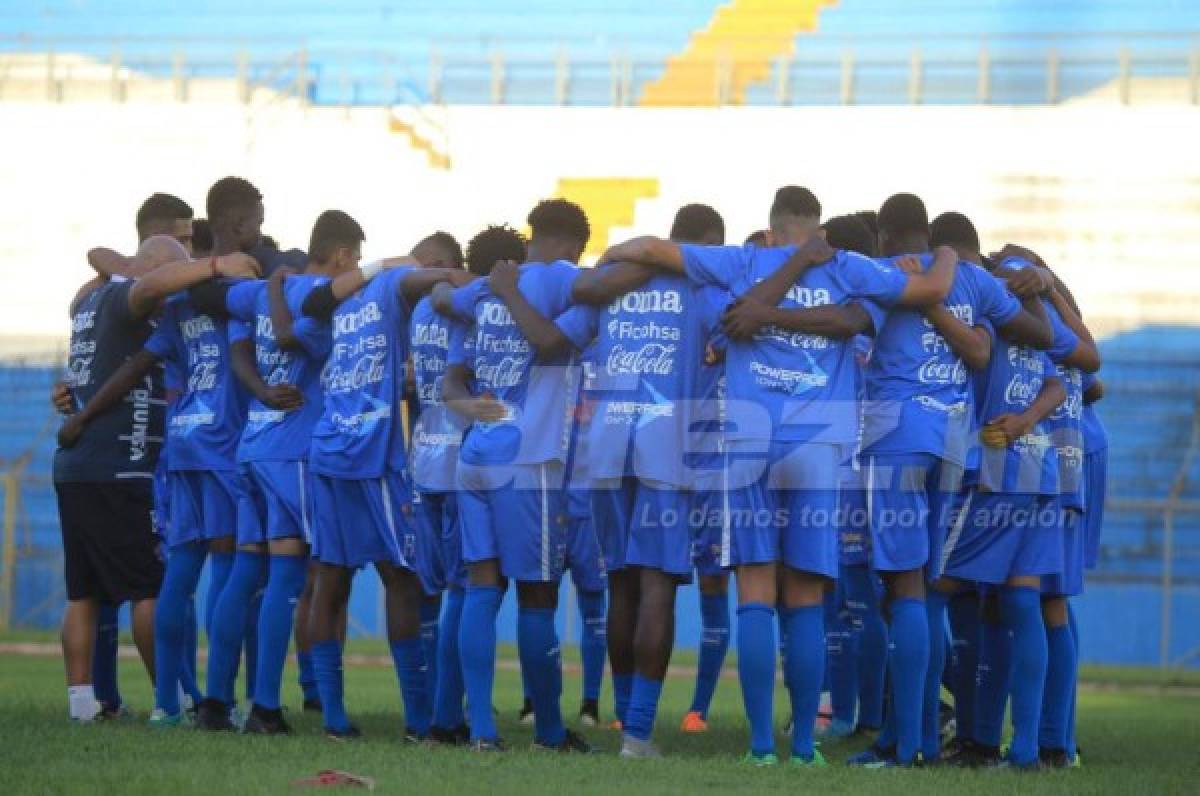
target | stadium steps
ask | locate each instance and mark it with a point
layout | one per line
(608, 201)
(437, 156)
(747, 35)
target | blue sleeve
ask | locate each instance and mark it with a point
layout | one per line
(462, 343)
(1065, 341)
(463, 299)
(710, 304)
(579, 324)
(558, 279)
(876, 313)
(1050, 370)
(161, 341)
(719, 266)
(242, 298)
(995, 302)
(236, 330)
(297, 290)
(863, 277)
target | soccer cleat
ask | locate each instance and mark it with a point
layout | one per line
(526, 714)
(947, 722)
(572, 743)
(760, 761)
(589, 713)
(456, 736)
(957, 753)
(312, 706)
(872, 756)
(637, 749)
(161, 720)
(413, 736)
(213, 715)
(693, 722)
(816, 761)
(1056, 758)
(262, 721)
(350, 733)
(787, 726)
(117, 712)
(616, 726)
(1007, 763)
(835, 728)
(488, 745)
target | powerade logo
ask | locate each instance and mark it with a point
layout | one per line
(352, 322)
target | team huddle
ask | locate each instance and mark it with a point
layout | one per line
(885, 435)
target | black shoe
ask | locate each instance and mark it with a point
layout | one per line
(572, 743)
(1054, 758)
(351, 733)
(263, 721)
(488, 745)
(526, 714)
(312, 706)
(957, 753)
(458, 736)
(213, 715)
(413, 736)
(589, 713)
(984, 756)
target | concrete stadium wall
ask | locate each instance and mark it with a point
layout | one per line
(1109, 194)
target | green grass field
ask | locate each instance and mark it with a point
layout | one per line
(1136, 740)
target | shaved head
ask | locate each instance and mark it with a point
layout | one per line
(155, 251)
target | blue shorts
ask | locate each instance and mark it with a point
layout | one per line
(789, 513)
(910, 500)
(363, 521)
(516, 514)
(854, 528)
(584, 558)
(1069, 582)
(640, 524)
(204, 505)
(710, 524)
(997, 536)
(1095, 473)
(276, 503)
(439, 541)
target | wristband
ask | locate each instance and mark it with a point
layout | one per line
(371, 270)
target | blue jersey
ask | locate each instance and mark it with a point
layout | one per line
(539, 396)
(1009, 385)
(1095, 435)
(437, 433)
(805, 382)
(206, 420)
(650, 381)
(917, 388)
(359, 435)
(272, 434)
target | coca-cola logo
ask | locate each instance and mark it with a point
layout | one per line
(203, 376)
(935, 371)
(506, 372)
(364, 371)
(654, 358)
(1021, 391)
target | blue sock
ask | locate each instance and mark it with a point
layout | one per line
(908, 664)
(327, 664)
(593, 642)
(756, 671)
(935, 611)
(1060, 686)
(1071, 623)
(714, 644)
(477, 650)
(430, 615)
(170, 621)
(841, 654)
(187, 675)
(804, 667)
(104, 658)
(537, 642)
(862, 595)
(1021, 609)
(622, 692)
(991, 694)
(221, 564)
(448, 696)
(284, 585)
(408, 655)
(887, 733)
(228, 626)
(964, 632)
(643, 707)
(307, 676)
(252, 616)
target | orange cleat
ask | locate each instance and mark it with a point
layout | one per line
(694, 722)
(616, 726)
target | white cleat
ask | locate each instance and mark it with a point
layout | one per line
(634, 749)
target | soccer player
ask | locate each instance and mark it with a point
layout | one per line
(915, 437)
(437, 436)
(791, 404)
(512, 502)
(361, 491)
(1000, 537)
